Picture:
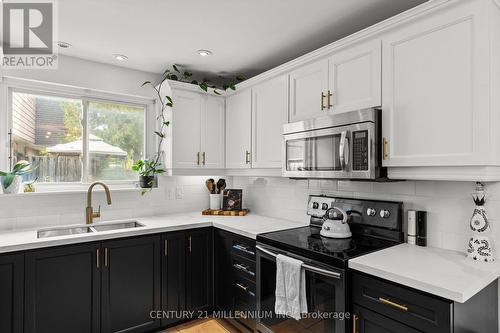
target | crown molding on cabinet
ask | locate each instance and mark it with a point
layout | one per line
(194, 88)
(453, 173)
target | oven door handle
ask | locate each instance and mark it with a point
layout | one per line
(307, 267)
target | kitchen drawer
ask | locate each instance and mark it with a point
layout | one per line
(408, 306)
(244, 291)
(243, 268)
(366, 321)
(243, 248)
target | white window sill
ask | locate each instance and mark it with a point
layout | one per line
(65, 189)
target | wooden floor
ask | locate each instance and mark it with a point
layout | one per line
(204, 326)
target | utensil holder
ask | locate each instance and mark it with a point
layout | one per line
(215, 201)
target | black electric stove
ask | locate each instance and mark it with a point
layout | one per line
(375, 225)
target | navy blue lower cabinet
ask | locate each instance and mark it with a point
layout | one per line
(383, 306)
(11, 293)
(62, 290)
(131, 284)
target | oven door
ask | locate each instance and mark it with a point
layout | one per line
(345, 152)
(326, 296)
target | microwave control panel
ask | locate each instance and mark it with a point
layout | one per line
(360, 150)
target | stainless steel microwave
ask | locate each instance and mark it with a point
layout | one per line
(340, 146)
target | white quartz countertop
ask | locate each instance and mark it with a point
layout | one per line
(440, 272)
(248, 226)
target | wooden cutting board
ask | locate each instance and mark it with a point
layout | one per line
(242, 212)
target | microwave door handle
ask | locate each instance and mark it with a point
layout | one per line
(343, 138)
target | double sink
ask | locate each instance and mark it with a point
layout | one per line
(84, 229)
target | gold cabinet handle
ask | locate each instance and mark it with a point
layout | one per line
(323, 101)
(385, 151)
(247, 157)
(386, 301)
(106, 259)
(97, 258)
(166, 247)
(330, 105)
(198, 158)
(355, 324)
(189, 241)
(204, 155)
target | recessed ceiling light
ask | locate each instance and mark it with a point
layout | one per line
(63, 45)
(204, 53)
(120, 57)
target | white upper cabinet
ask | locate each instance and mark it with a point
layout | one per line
(436, 89)
(239, 130)
(308, 89)
(355, 77)
(269, 113)
(186, 129)
(213, 129)
(197, 130)
(349, 79)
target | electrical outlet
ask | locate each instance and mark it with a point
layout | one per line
(170, 194)
(178, 193)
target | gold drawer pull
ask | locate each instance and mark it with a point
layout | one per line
(393, 304)
(97, 258)
(323, 101)
(330, 95)
(355, 324)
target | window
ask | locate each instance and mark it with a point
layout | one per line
(50, 132)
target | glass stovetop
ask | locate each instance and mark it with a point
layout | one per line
(307, 242)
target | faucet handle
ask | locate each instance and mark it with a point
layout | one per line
(98, 213)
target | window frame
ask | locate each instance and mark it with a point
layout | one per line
(11, 85)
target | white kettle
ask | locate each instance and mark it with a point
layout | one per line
(335, 224)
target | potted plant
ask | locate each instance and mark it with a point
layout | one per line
(148, 169)
(11, 180)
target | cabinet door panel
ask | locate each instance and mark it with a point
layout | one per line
(213, 124)
(356, 77)
(12, 293)
(433, 100)
(130, 284)
(223, 271)
(62, 290)
(306, 85)
(367, 321)
(186, 129)
(173, 276)
(199, 264)
(238, 130)
(269, 113)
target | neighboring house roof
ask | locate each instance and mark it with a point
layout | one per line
(96, 146)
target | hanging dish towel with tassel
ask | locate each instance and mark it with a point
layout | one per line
(290, 287)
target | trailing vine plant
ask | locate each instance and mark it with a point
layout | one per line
(153, 166)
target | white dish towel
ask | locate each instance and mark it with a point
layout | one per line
(290, 287)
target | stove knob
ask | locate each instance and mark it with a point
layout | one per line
(384, 213)
(315, 205)
(371, 212)
(324, 206)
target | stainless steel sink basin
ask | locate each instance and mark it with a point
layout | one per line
(105, 226)
(83, 229)
(63, 231)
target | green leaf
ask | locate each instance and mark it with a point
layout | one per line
(232, 86)
(187, 74)
(194, 82)
(169, 99)
(175, 68)
(3, 174)
(240, 78)
(174, 77)
(147, 82)
(216, 92)
(225, 87)
(8, 179)
(203, 86)
(166, 123)
(169, 105)
(161, 135)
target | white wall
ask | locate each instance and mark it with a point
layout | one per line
(449, 204)
(89, 74)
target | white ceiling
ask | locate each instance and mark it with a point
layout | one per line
(245, 36)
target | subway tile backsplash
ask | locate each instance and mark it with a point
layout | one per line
(449, 204)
